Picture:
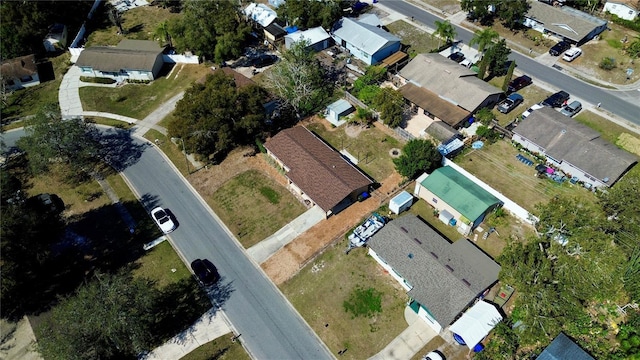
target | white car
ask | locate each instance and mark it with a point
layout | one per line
(531, 109)
(433, 356)
(163, 220)
(572, 54)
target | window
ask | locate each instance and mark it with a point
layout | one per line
(435, 201)
(26, 78)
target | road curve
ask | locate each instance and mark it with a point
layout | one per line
(625, 104)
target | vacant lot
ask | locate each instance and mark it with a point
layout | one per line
(417, 39)
(319, 291)
(496, 164)
(139, 24)
(254, 206)
(370, 145)
(139, 100)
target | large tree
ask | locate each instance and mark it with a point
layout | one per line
(50, 139)
(444, 30)
(391, 105)
(214, 117)
(111, 317)
(512, 12)
(212, 29)
(299, 80)
(496, 57)
(418, 156)
(483, 38)
(312, 13)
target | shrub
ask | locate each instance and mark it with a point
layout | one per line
(607, 63)
(629, 24)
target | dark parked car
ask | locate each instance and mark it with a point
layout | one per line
(264, 60)
(559, 48)
(518, 83)
(557, 99)
(510, 103)
(457, 57)
(205, 271)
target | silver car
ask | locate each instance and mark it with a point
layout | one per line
(571, 109)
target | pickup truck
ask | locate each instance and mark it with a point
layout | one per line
(557, 99)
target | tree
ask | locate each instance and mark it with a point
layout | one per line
(507, 78)
(444, 30)
(49, 139)
(299, 79)
(512, 12)
(418, 156)
(496, 58)
(163, 35)
(115, 17)
(113, 316)
(214, 117)
(311, 13)
(484, 116)
(483, 38)
(479, 9)
(390, 104)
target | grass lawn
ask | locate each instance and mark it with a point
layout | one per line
(496, 165)
(162, 265)
(139, 23)
(29, 101)
(221, 348)
(139, 100)
(418, 40)
(320, 289)
(371, 146)
(254, 206)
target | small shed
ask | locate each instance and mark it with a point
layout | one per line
(476, 323)
(446, 217)
(400, 202)
(337, 110)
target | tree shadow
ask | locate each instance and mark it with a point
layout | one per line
(135, 29)
(119, 150)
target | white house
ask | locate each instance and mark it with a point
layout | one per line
(131, 59)
(624, 9)
(317, 37)
(366, 42)
(260, 13)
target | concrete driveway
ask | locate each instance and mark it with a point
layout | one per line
(269, 246)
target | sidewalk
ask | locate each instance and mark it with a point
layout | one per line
(410, 341)
(68, 95)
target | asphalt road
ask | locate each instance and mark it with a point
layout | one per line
(625, 104)
(270, 327)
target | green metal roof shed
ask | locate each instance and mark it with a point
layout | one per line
(468, 198)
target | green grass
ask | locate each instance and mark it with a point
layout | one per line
(139, 100)
(28, 101)
(247, 205)
(162, 265)
(363, 302)
(371, 146)
(609, 131)
(221, 348)
(109, 122)
(417, 39)
(320, 289)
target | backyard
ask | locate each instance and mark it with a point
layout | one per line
(323, 287)
(254, 206)
(370, 146)
(139, 100)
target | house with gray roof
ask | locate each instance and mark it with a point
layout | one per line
(130, 59)
(366, 42)
(441, 278)
(565, 22)
(451, 82)
(574, 148)
(563, 348)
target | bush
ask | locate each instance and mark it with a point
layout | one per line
(607, 63)
(629, 24)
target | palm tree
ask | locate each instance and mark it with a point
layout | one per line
(162, 33)
(444, 30)
(483, 38)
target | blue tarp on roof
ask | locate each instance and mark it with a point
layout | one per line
(291, 29)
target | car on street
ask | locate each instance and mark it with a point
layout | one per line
(508, 104)
(205, 271)
(162, 218)
(559, 48)
(557, 99)
(531, 109)
(456, 56)
(573, 108)
(572, 54)
(518, 83)
(433, 356)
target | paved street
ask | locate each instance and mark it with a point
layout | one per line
(625, 104)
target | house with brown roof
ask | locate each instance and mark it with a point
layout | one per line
(444, 89)
(441, 278)
(130, 59)
(315, 171)
(574, 148)
(20, 72)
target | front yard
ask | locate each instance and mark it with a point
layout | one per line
(319, 292)
(139, 100)
(418, 40)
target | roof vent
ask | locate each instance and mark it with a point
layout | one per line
(410, 256)
(605, 180)
(418, 241)
(449, 268)
(404, 229)
(434, 255)
(466, 282)
(447, 71)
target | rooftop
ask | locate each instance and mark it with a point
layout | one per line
(366, 37)
(128, 54)
(442, 109)
(566, 21)
(19, 67)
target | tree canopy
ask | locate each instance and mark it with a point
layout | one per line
(311, 13)
(299, 80)
(418, 156)
(218, 115)
(511, 12)
(444, 30)
(212, 29)
(496, 57)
